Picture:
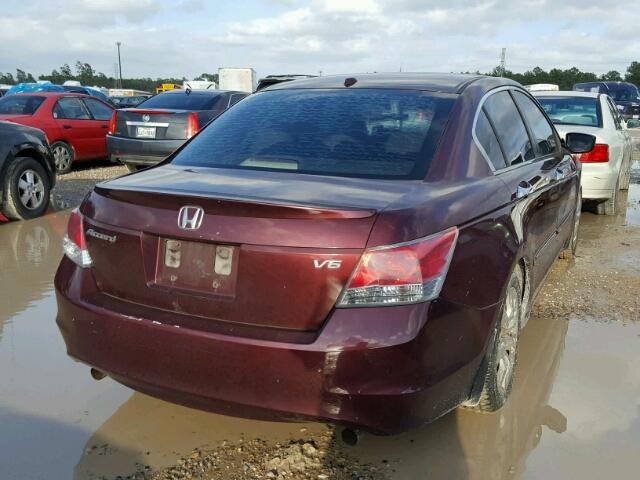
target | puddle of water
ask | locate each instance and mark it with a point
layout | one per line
(577, 392)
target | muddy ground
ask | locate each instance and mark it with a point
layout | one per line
(574, 411)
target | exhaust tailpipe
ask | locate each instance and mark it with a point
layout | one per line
(350, 436)
(97, 374)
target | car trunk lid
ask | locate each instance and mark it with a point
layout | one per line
(152, 124)
(272, 249)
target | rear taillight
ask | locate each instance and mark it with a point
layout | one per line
(112, 123)
(599, 154)
(74, 244)
(192, 124)
(398, 274)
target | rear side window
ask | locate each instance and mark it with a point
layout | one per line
(182, 101)
(20, 105)
(71, 108)
(367, 133)
(98, 110)
(509, 128)
(572, 110)
(487, 138)
(235, 98)
(544, 137)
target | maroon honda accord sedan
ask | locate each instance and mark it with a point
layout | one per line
(361, 250)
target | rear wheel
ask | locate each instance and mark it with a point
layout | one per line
(570, 251)
(27, 188)
(608, 207)
(503, 358)
(63, 156)
(626, 177)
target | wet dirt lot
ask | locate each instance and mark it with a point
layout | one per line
(574, 412)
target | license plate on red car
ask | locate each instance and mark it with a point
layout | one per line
(146, 132)
(198, 266)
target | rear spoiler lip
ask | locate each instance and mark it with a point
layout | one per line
(217, 204)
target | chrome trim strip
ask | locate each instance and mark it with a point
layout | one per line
(146, 124)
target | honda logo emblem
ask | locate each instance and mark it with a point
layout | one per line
(190, 217)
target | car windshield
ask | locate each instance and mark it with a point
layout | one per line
(572, 110)
(20, 105)
(624, 93)
(182, 101)
(366, 133)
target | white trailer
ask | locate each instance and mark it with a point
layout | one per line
(199, 85)
(240, 79)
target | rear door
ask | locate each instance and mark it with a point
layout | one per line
(527, 175)
(100, 116)
(563, 174)
(74, 121)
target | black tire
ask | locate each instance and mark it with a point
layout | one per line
(25, 198)
(626, 176)
(499, 377)
(609, 207)
(63, 156)
(570, 251)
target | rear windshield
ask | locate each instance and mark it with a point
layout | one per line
(20, 105)
(572, 110)
(352, 133)
(182, 101)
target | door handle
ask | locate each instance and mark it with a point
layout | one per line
(524, 189)
(66, 126)
(104, 126)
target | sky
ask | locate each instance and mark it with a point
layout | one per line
(187, 37)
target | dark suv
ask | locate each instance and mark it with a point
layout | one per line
(625, 94)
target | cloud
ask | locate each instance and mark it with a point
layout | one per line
(161, 38)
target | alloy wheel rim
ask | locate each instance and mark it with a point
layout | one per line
(62, 157)
(507, 339)
(31, 189)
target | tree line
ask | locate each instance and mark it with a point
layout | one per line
(87, 75)
(566, 79)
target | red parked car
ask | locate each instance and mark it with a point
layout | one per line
(75, 124)
(362, 250)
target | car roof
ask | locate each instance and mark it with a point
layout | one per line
(52, 94)
(434, 82)
(566, 93)
(199, 92)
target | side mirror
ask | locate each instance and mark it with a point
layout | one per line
(633, 123)
(579, 142)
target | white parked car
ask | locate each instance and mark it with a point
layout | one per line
(606, 169)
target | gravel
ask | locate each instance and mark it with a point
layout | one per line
(321, 457)
(72, 187)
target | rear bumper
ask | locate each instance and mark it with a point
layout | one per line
(598, 181)
(140, 152)
(383, 369)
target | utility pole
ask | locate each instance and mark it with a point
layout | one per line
(503, 62)
(119, 64)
